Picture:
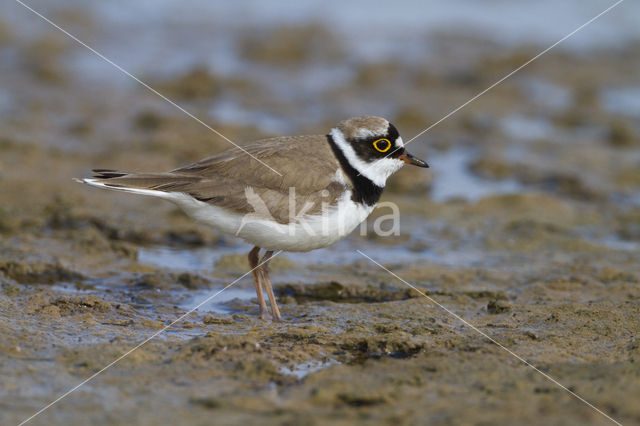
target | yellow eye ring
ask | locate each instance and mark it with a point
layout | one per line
(387, 147)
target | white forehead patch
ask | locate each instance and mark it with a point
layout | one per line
(365, 133)
(399, 142)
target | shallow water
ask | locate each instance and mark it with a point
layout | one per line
(199, 259)
(456, 181)
(303, 369)
(527, 128)
(218, 299)
(625, 101)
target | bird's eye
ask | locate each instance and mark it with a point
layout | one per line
(382, 145)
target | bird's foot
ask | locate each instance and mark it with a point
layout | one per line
(264, 315)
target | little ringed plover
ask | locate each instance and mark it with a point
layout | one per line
(329, 185)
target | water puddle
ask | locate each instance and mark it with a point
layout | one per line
(309, 265)
(522, 127)
(221, 301)
(305, 368)
(616, 243)
(232, 113)
(6, 101)
(69, 289)
(624, 101)
(454, 180)
(199, 259)
(546, 94)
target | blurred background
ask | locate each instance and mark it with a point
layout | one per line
(564, 124)
(533, 194)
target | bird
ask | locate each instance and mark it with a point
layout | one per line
(315, 190)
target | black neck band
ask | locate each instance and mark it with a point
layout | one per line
(364, 190)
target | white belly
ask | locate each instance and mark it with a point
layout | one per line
(304, 234)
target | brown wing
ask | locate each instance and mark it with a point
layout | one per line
(306, 164)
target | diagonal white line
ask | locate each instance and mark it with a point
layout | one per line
(151, 89)
(473, 327)
(157, 333)
(504, 78)
(515, 71)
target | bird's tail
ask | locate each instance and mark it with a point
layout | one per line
(155, 184)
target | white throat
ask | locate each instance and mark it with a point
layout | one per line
(377, 171)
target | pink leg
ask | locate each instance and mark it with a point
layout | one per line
(275, 312)
(255, 270)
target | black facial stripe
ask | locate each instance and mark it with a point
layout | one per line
(364, 190)
(392, 133)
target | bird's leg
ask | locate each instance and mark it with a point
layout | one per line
(255, 270)
(264, 270)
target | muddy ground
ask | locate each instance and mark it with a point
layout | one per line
(527, 227)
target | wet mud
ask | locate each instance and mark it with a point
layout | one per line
(540, 251)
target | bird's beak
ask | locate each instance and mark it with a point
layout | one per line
(410, 159)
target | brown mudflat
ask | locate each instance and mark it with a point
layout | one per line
(550, 269)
